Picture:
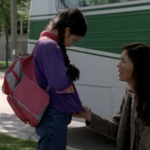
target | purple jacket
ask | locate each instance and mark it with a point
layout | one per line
(50, 70)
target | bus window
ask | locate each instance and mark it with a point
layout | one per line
(84, 3)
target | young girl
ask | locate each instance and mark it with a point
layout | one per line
(53, 67)
(131, 125)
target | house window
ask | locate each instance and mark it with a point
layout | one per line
(25, 27)
(22, 27)
(19, 27)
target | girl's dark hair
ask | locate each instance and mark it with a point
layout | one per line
(74, 19)
(139, 54)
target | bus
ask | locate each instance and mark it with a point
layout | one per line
(111, 24)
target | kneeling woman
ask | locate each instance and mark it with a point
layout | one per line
(131, 125)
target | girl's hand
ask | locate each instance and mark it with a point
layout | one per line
(86, 108)
(71, 63)
(86, 115)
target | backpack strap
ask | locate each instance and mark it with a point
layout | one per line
(42, 38)
(47, 88)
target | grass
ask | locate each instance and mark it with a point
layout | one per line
(3, 65)
(10, 143)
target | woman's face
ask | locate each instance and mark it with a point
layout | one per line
(125, 68)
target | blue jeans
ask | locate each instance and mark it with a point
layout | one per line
(52, 130)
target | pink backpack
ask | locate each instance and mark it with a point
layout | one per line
(26, 98)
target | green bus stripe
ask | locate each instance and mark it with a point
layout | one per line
(108, 32)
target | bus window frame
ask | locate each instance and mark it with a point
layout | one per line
(105, 5)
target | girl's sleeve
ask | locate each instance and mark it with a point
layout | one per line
(54, 68)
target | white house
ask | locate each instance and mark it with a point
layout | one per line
(22, 40)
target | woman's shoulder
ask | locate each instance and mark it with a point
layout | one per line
(128, 94)
(129, 91)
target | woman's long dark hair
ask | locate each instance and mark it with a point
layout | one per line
(74, 19)
(139, 54)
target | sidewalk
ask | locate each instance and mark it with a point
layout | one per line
(79, 136)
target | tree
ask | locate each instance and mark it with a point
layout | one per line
(5, 24)
(23, 9)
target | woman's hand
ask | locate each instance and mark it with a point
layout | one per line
(86, 115)
(71, 63)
